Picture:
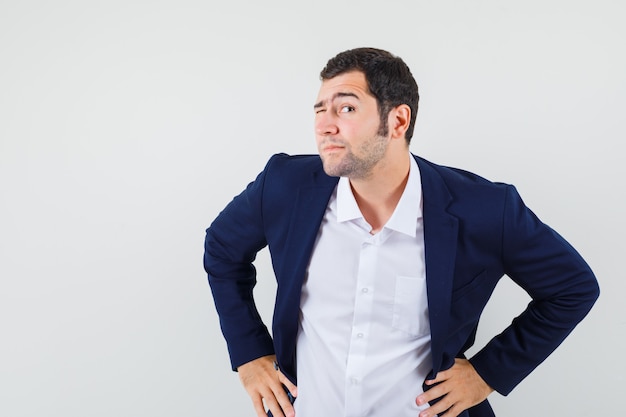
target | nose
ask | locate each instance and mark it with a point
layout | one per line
(325, 124)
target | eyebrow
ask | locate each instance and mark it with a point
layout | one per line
(334, 97)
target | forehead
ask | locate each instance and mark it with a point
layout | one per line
(350, 82)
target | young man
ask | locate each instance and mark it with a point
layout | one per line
(384, 263)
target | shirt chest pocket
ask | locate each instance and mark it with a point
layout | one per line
(410, 306)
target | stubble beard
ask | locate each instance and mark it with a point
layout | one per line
(356, 167)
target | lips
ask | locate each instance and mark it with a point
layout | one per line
(329, 147)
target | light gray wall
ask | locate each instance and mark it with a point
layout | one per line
(125, 127)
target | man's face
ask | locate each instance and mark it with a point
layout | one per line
(347, 127)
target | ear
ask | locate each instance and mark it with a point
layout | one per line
(399, 120)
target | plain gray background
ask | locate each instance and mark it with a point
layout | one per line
(126, 126)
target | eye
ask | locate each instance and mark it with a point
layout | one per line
(346, 109)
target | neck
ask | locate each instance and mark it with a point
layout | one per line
(378, 194)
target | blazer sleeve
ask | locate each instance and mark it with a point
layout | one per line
(232, 242)
(562, 287)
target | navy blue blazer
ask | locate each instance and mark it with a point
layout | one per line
(475, 231)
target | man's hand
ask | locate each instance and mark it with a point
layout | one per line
(265, 383)
(460, 388)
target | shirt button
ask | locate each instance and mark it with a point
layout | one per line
(364, 290)
(360, 335)
(354, 381)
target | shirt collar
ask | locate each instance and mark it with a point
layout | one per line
(407, 212)
(347, 208)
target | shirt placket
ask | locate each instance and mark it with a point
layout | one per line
(359, 338)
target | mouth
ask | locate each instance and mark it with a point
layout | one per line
(331, 147)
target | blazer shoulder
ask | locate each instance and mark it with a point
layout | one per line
(298, 163)
(285, 170)
(468, 196)
(457, 177)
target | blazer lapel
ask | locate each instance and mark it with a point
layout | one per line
(440, 240)
(309, 208)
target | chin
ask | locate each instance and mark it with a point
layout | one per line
(332, 170)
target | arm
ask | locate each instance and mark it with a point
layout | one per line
(563, 290)
(232, 242)
(562, 287)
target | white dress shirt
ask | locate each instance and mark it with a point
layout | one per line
(363, 346)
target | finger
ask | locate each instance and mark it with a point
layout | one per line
(454, 411)
(286, 382)
(273, 406)
(438, 409)
(432, 394)
(277, 401)
(440, 377)
(285, 405)
(257, 402)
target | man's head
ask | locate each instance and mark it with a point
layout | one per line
(388, 78)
